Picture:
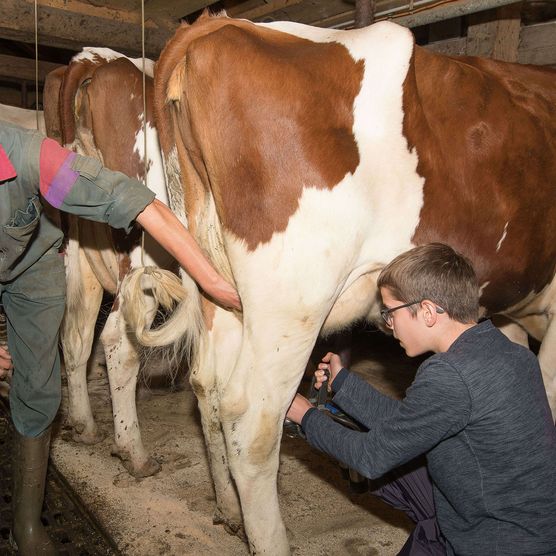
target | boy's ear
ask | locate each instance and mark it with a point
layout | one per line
(429, 312)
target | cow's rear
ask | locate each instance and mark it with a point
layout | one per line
(312, 157)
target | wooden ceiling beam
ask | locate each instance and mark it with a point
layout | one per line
(253, 10)
(176, 9)
(23, 68)
(75, 24)
(423, 12)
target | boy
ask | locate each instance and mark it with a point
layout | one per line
(477, 409)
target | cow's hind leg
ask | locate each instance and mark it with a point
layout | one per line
(122, 360)
(253, 408)
(84, 298)
(217, 355)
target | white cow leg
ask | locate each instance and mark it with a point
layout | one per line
(77, 332)
(254, 464)
(122, 361)
(217, 355)
(547, 361)
(252, 412)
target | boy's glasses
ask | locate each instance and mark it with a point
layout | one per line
(386, 314)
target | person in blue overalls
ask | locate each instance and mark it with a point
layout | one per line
(35, 170)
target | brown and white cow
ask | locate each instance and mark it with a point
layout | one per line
(100, 114)
(310, 158)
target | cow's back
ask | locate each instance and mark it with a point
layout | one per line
(481, 133)
(485, 135)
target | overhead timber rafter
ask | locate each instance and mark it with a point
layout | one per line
(73, 24)
(255, 9)
(14, 67)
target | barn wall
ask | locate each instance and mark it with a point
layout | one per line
(536, 45)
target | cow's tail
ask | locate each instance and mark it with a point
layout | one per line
(182, 329)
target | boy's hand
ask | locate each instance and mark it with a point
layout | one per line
(298, 408)
(330, 362)
(5, 362)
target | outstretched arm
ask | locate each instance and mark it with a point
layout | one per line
(81, 186)
(5, 362)
(166, 229)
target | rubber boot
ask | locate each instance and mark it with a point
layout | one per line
(29, 475)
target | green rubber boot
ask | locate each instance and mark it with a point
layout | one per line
(29, 475)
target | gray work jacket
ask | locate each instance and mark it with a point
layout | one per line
(26, 232)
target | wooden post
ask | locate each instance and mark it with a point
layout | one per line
(495, 34)
(364, 13)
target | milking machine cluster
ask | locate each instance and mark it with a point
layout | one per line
(321, 400)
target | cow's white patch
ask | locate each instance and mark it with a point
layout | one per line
(370, 217)
(155, 170)
(501, 240)
(92, 53)
(156, 182)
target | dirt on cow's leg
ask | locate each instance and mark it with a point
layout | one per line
(211, 372)
(253, 408)
(76, 337)
(122, 361)
(255, 466)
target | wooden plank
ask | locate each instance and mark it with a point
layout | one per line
(424, 13)
(538, 44)
(263, 10)
(23, 68)
(130, 10)
(495, 34)
(309, 11)
(506, 42)
(88, 9)
(176, 9)
(450, 47)
(66, 29)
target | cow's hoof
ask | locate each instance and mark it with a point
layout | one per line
(231, 527)
(86, 437)
(147, 469)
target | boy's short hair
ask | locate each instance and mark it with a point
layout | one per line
(434, 271)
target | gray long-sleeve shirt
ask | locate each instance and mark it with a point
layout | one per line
(480, 413)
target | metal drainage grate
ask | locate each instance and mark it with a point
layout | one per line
(70, 525)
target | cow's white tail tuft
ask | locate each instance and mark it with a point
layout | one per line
(183, 328)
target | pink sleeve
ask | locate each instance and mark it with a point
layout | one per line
(56, 174)
(7, 171)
